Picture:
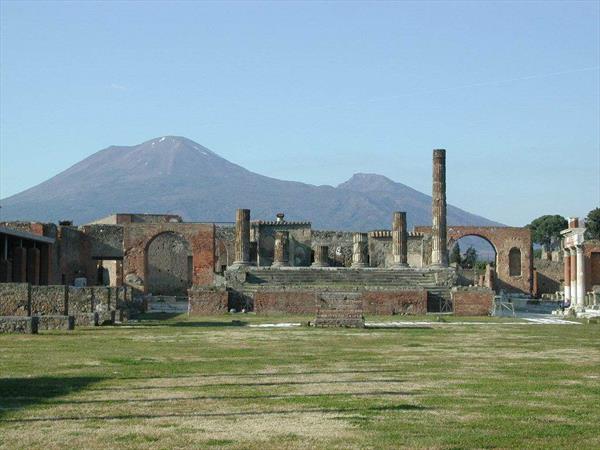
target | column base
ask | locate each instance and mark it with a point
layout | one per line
(276, 265)
(399, 266)
(319, 265)
(359, 266)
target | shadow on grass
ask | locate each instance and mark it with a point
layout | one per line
(18, 393)
(366, 409)
(234, 397)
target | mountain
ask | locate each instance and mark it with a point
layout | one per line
(178, 176)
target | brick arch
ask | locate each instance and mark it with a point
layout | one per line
(452, 241)
(503, 239)
(200, 237)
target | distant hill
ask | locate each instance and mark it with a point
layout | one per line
(178, 176)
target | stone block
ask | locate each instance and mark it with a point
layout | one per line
(102, 297)
(106, 317)
(18, 324)
(339, 309)
(81, 300)
(49, 300)
(56, 322)
(389, 302)
(205, 301)
(15, 299)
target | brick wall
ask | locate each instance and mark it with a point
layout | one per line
(207, 301)
(285, 301)
(474, 301)
(395, 302)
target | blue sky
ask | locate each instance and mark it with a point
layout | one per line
(315, 92)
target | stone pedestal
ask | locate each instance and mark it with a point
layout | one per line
(439, 245)
(321, 256)
(360, 250)
(399, 241)
(242, 238)
(281, 255)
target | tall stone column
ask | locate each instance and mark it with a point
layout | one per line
(282, 244)
(567, 274)
(573, 260)
(399, 241)
(580, 276)
(360, 250)
(321, 256)
(242, 237)
(439, 244)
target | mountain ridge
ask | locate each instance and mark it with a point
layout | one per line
(173, 174)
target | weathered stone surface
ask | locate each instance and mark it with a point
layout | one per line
(321, 256)
(472, 301)
(360, 250)
(399, 240)
(339, 309)
(102, 298)
(56, 322)
(439, 251)
(49, 300)
(242, 237)
(18, 324)
(81, 300)
(204, 301)
(281, 254)
(15, 299)
(106, 317)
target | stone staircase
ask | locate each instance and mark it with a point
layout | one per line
(167, 304)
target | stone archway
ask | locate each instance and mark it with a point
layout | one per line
(169, 264)
(503, 239)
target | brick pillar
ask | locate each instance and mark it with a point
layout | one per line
(360, 250)
(399, 241)
(567, 274)
(282, 249)
(321, 256)
(242, 238)
(33, 266)
(489, 276)
(439, 244)
(535, 283)
(19, 265)
(573, 276)
(45, 264)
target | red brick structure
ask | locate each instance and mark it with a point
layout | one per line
(472, 301)
(395, 302)
(287, 301)
(514, 253)
(201, 238)
(591, 254)
(207, 301)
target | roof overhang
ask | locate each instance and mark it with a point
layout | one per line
(26, 235)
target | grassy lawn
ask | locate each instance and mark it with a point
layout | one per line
(201, 383)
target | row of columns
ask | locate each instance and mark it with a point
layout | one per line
(574, 275)
(25, 266)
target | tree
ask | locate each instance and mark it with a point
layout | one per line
(470, 258)
(455, 255)
(592, 224)
(545, 230)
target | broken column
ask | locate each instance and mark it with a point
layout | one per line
(399, 240)
(242, 237)
(567, 274)
(321, 256)
(439, 249)
(282, 244)
(360, 250)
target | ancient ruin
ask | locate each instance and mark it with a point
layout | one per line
(101, 271)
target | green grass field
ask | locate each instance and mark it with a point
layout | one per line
(201, 383)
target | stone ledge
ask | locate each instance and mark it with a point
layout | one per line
(56, 322)
(87, 319)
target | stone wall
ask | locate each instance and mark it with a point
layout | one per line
(472, 301)
(395, 302)
(15, 299)
(105, 241)
(550, 276)
(300, 238)
(340, 246)
(205, 301)
(18, 324)
(81, 300)
(49, 300)
(58, 322)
